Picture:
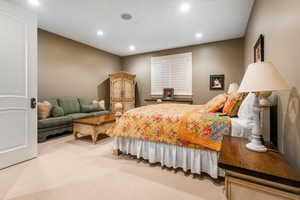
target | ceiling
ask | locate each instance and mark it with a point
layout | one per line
(156, 24)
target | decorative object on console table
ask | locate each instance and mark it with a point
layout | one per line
(151, 101)
(259, 49)
(261, 77)
(168, 93)
(254, 176)
(216, 82)
(158, 101)
(122, 90)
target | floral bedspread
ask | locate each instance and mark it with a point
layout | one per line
(179, 124)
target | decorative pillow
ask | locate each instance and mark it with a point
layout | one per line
(233, 104)
(233, 88)
(57, 111)
(44, 109)
(100, 103)
(87, 108)
(216, 103)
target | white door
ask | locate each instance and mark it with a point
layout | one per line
(18, 84)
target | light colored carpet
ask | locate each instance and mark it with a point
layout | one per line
(71, 170)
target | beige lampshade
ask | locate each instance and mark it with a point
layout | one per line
(262, 76)
(233, 87)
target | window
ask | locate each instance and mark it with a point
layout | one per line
(174, 71)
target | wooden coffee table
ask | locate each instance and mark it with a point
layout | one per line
(93, 126)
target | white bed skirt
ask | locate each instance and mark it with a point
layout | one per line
(169, 155)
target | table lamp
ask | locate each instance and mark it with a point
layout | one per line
(261, 77)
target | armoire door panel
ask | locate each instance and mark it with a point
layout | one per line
(128, 106)
(128, 89)
(117, 87)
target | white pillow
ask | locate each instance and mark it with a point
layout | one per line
(247, 109)
(101, 104)
(44, 109)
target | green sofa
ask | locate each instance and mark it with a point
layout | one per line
(71, 108)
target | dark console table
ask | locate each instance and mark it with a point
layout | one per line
(150, 101)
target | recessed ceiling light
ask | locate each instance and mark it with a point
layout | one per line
(184, 7)
(198, 35)
(34, 2)
(126, 16)
(131, 48)
(100, 33)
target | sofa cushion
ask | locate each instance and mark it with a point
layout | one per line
(69, 104)
(99, 113)
(57, 111)
(54, 121)
(87, 108)
(84, 100)
(76, 116)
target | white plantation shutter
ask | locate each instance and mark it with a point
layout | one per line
(174, 71)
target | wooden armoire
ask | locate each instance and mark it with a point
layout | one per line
(122, 90)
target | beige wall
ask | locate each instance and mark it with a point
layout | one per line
(279, 22)
(224, 57)
(69, 68)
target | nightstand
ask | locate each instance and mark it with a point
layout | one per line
(256, 176)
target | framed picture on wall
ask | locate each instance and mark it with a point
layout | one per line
(259, 49)
(217, 82)
(168, 93)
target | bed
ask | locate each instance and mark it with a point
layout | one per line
(176, 135)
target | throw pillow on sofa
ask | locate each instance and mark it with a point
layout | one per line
(57, 111)
(101, 104)
(44, 109)
(87, 108)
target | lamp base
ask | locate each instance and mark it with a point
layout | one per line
(256, 144)
(256, 147)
